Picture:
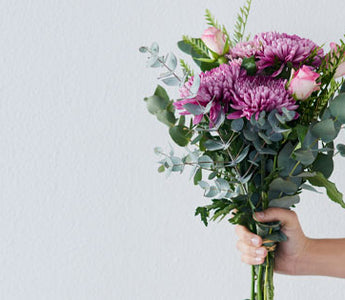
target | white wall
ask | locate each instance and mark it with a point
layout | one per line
(83, 212)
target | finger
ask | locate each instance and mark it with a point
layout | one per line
(248, 237)
(287, 217)
(249, 250)
(252, 260)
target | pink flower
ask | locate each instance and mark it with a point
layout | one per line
(214, 39)
(341, 68)
(303, 82)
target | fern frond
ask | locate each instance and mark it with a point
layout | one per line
(197, 44)
(210, 19)
(241, 22)
(186, 68)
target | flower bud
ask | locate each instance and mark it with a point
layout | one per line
(303, 82)
(214, 39)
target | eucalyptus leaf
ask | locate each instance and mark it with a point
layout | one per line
(212, 192)
(205, 162)
(166, 117)
(171, 81)
(214, 145)
(237, 125)
(309, 187)
(341, 149)
(284, 202)
(171, 61)
(324, 164)
(305, 156)
(143, 49)
(325, 130)
(337, 107)
(194, 109)
(180, 134)
(284, 186)
(154, 48)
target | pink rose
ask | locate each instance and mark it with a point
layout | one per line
(214, 39)
(341, 68)
(303, 82)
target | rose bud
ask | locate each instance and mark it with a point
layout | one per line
(214, 39)
(303, 82)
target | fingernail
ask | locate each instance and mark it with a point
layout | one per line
(258, 258)
(260, 251)
(255, 241)
(259, 214)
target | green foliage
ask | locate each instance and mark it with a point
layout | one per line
(332, 192)
(186, 68)
(284, 202)
(324, 164)
(181, 135)
(241, 22)
(248, 63)
(197, 45)
(159, 105)
(337, 108)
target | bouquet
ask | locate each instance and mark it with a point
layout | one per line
(257, 121)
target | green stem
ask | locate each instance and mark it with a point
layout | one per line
(259, 283)
(252, 297)
(266, 286)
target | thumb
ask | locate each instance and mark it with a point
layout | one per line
(288, 218)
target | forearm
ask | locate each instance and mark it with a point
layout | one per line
(325, 257)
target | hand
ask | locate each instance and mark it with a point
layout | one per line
(288, 253)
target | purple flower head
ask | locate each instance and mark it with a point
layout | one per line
(244, 49)
(254, 94)
(215, 85)
(284, 48)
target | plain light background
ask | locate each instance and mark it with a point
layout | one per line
(83, 212)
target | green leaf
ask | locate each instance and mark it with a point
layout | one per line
(284, 202)
(301, 132)
(241, 22)
(166, 117)
(337, 107)
(325, 130)
(213, 145)
(305, 156)
(237, 125)
(341, 149)
(324, 164)
(332, 192)
(205, 162)
(197, 45)
(155, 104)
(197, 176)
(203, 212)
(161, 92)
(161, 169)
(181, 135)
(248, 63)
(284, 186)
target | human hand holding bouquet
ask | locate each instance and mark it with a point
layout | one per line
(258, 122)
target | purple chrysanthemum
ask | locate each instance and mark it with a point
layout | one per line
(284, 48)
(244, 49)
(273, 48)
(254, 94)
(215, 85)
